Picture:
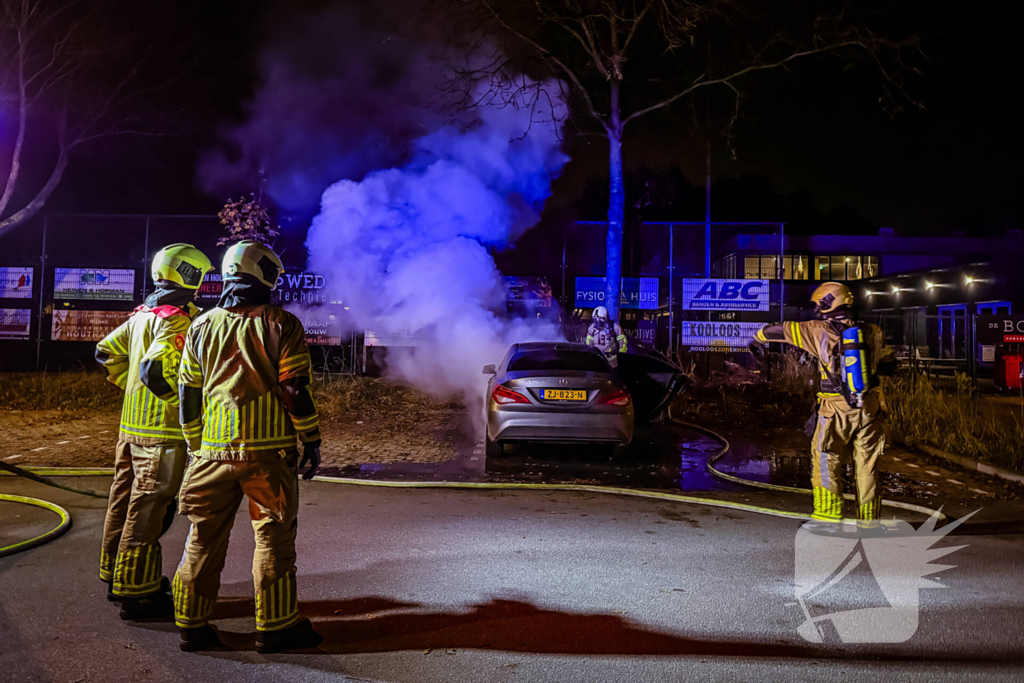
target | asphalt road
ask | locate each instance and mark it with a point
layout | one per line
(449, 585)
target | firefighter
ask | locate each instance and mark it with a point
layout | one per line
(606, 336)
(142, 357)
(245, 396)
(850, 355)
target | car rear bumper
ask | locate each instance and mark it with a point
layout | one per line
(559, 427)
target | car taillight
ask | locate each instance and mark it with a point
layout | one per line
(616, 398)
(503, 396)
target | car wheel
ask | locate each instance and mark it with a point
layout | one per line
(495, 449)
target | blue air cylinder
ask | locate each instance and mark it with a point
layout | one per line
(855, 360)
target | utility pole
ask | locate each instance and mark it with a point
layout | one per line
(707, 205)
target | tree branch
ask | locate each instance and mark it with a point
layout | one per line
(549, 56)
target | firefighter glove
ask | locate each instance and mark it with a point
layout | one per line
(310, 455)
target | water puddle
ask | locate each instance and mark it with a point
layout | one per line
(662, 456)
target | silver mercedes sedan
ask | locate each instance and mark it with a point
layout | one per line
(556, 392)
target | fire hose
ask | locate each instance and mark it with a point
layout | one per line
(65, 517)
(40, 475)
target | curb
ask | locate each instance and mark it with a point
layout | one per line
(974, 465)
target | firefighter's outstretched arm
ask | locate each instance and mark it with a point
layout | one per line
(112, 354)
(190, 395)
(294, 372)
(787, 332)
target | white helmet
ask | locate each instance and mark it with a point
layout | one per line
(252, 258)
(600, 312)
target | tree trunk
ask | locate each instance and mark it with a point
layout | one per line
(37, 202)
(616, 209)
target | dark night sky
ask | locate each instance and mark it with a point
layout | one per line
(819, 131)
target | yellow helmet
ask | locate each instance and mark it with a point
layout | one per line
(830, 296)
(249, 257)
(181, 264)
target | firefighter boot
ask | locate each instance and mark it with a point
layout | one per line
(195, 639)
(297, 637)
(152, 606)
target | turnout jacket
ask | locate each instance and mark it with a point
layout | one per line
(244, 384)
(822, 341)
(141, 357)
(608, 338)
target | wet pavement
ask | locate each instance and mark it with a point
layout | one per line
(673, 457)
(424, 585)
(662, 457)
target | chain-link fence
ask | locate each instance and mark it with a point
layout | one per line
(68, 280)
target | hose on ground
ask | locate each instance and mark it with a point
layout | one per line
(39, 475)
(710, 466)
(36, 476)
(65, 524)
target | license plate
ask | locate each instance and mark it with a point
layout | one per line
(563, 394)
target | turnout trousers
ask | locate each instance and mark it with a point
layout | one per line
(842, 432)
(210, 496)
(139, 511)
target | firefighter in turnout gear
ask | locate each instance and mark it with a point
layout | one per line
(851, 355)
(245, 398)
(606, 336)
(142, 357)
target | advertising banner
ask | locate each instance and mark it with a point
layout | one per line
(107, 284)
(323, 331)
(637, 292)
(1000, 329)
(15, 323)
(532, 291)
(701, 294)
(210, 291)
(717, 336)
(16, 283)
(85, 325)
(300, 288)
(641, 326)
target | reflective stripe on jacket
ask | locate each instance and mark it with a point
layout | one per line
(150, 334)
(239, 357)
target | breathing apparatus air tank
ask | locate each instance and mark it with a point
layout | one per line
(855, 365)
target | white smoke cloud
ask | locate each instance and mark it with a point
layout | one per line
(407, 249)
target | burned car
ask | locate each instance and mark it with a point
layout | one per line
(560, 392)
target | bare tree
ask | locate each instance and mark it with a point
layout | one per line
(66, 82)
(617, 61)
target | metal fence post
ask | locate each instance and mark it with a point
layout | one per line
(145, 260)
(671, 308)
(42, 285)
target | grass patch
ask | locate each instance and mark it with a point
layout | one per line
(377, 399)
(954, 421)
(782, 397)
(958, 421)
(69, 391)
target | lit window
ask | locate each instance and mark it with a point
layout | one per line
(870, 266)
(821, 268)
(800, 268)
(752, 268)
(838, 267)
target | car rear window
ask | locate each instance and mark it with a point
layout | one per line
(552, 359)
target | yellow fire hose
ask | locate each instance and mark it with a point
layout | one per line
(40, 474)
(65, 524)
